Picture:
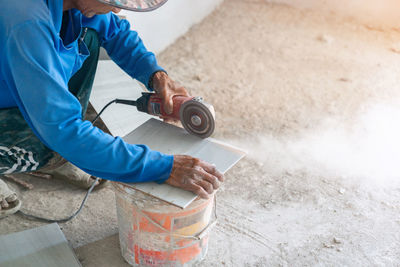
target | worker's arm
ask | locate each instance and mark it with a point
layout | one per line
(36, 77)
(125, 48)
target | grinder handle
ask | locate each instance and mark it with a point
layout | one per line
(156, 106)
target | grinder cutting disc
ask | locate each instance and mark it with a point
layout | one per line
(198, 117)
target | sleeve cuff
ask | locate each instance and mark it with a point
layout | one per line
(168, 163)
(148, 67)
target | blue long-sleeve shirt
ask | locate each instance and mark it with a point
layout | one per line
(35, 67)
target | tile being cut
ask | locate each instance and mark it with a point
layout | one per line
(41, 246)
(173, 140)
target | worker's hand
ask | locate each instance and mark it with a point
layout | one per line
(166, 89)
(195, 175)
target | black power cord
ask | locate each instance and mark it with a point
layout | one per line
(118, 101)
(30, 216)
(35, 217)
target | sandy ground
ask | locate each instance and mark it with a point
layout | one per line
(314, 100)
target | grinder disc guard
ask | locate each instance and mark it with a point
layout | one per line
(198, 117)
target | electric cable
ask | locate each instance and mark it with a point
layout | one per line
(104, 108)
(118, 101)
(65, 219)
(35, 217)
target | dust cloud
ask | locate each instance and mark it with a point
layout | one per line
(366, 152)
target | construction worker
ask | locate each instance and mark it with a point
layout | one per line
(49, 51)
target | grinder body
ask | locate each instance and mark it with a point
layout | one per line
(196, 116)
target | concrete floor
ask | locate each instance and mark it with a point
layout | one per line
(315, 100)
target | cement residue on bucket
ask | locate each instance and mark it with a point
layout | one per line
(155, 233)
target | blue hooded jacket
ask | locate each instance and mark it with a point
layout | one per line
(35, 67)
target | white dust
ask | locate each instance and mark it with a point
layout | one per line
(367, 151)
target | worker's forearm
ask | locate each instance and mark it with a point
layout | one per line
(124, 46)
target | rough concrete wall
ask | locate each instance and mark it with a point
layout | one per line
(163, 26)
(371, 12)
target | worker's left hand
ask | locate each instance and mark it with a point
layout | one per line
(166, 89)
(195, 175)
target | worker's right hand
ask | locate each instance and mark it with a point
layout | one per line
(166, 89)
(195, 175)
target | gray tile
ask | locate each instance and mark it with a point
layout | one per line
(173, 140)
(41, 246)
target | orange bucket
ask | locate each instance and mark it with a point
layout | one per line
(155, 233)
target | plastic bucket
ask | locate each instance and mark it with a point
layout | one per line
(155, 233)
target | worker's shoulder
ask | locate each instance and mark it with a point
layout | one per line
(15, 13)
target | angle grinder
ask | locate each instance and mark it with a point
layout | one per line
(196, 116)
